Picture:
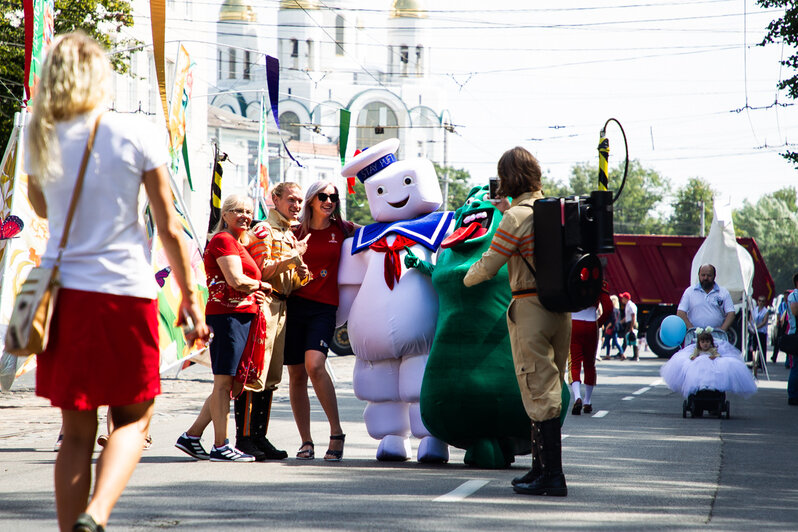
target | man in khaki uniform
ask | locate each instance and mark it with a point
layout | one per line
(278, 253)
(539, 338)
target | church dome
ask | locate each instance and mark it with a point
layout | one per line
(409, 9)
(237, 11)
(299, 4)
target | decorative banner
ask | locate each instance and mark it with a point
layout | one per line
(39, 33)
(263, 161)
(273, 84)
(19, 253)
(188, 168)
(216, 189)
(343, 132)
(181, 94)
(158, 18)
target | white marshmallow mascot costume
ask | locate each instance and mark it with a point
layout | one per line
(392, 311)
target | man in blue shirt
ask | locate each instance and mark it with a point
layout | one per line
(792, 380)
(781, 328)
(706, 304)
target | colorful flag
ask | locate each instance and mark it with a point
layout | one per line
(216, 189)
(272, 84)
(158, 18)
(181, 94)
(39, 33)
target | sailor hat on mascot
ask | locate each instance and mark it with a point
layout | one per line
(391, 311)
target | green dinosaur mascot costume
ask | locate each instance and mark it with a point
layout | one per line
(469, 394)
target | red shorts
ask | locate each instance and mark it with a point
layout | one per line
(103, 350)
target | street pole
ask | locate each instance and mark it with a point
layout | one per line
(445, 167)
(702, 217)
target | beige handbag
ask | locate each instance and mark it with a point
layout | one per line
(29, 326)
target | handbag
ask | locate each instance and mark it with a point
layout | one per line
(251, 367)
(789, 343)
(29, 326)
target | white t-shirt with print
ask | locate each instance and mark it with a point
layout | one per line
(108, 249)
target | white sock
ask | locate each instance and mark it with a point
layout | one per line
(186, 435)
(588, 393)
(575, 387)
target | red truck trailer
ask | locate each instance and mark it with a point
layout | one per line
(655, 270)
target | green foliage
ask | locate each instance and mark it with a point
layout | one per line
(458, 185)
(784, 31)
(102, 19)
(773, 222)
(357, 206)
(635, 210)
(686, 217)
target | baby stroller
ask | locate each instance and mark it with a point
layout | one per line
(704, 382)
(713, 401)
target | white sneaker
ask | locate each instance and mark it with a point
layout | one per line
(229, 454)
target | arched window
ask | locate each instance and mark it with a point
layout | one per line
(247, 64)
(376, 116)
(231, 63)
(404, 59)
(294, 48)
(311, 58)
(288, 122)
(339, 35)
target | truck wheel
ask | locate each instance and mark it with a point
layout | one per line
(340, 342)
(652, 337)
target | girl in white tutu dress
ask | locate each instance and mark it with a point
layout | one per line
(705, 366)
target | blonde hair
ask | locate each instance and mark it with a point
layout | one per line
(280, 188)
(75, 79)
(230, 203)
(615, 303)
(307, 212)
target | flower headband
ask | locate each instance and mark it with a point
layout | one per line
(700, 330)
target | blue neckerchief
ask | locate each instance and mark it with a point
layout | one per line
(428, 230)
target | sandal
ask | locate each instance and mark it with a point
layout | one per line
(306, 454)
(332, 454)
(148, 442)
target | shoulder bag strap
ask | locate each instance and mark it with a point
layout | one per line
(531, 269)
(78, 187)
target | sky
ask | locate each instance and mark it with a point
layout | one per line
(687, 80)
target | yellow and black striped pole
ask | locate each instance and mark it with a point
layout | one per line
(216, 189)
(604, 161)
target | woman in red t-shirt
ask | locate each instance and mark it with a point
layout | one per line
(310, 319)
(235, 290)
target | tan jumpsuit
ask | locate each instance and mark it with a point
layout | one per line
(279, 244)
(540, 339)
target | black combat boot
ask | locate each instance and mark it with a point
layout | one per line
(243, 414)
(636, 351)
(535, 472)
(261, 412)
(551, 481)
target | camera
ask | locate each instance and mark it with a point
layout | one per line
(569, 234)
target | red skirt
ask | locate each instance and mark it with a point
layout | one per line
(103, 350)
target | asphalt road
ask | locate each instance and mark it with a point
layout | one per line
(635, 464)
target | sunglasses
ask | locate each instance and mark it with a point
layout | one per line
(324, 197)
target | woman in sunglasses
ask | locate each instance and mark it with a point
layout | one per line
(310, 321)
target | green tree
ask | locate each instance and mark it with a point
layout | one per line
(784, 31)
(635, 209)
(686, 217)
(357, 206)
(102, 19)
(458, 185)
(773, 222)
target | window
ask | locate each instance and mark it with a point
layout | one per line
(294, 48)
(376, 116)
(419, 60)
(247, 64)
(288, 122)
(339, 35)
(252, 160)
(311, 59)
(231, 63)
(404, 59)
(220, 62)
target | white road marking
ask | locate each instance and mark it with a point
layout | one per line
(462, 491)
(628, 398)
(601, 413)
(564, 436)
(641, 390)
(657, 382)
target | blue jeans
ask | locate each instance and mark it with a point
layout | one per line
(609, 341)
(792, 380)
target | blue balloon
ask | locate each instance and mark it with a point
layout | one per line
(672, 331)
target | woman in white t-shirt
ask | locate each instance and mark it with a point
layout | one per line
(103, 347)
